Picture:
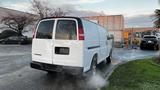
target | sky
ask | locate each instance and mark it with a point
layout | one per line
(128, 8)
(137, 13)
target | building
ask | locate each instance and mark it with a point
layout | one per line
(114, 23)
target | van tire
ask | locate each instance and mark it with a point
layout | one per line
(108, 59)
(93, 67)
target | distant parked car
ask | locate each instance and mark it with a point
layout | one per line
(14, 40)
(150, 41)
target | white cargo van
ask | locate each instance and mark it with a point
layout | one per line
(69, 44)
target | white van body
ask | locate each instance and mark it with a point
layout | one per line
(71, 46)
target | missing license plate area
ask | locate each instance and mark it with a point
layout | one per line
(62, 50)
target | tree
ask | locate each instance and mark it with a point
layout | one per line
(43, 9)
(17, 22)
(157, 19)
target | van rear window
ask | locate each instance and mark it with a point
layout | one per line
(66, 30)
(45, 29)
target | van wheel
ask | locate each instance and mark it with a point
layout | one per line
(93, 69)
(93, 66)
(108, 59)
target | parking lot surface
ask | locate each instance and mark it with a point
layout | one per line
(16, 74)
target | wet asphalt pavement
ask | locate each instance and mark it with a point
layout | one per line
(16, 74)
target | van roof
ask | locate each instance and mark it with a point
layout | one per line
(61, 17)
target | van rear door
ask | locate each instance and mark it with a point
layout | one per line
(42, 46)
(67, 48)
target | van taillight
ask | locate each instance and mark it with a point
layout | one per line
(81, 33)
(34, 33)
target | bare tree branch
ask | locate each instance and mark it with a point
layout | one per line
(43, 10)
(17, 22)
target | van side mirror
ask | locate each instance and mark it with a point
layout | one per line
(109, 37)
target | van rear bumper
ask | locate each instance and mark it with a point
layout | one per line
(56, 68)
